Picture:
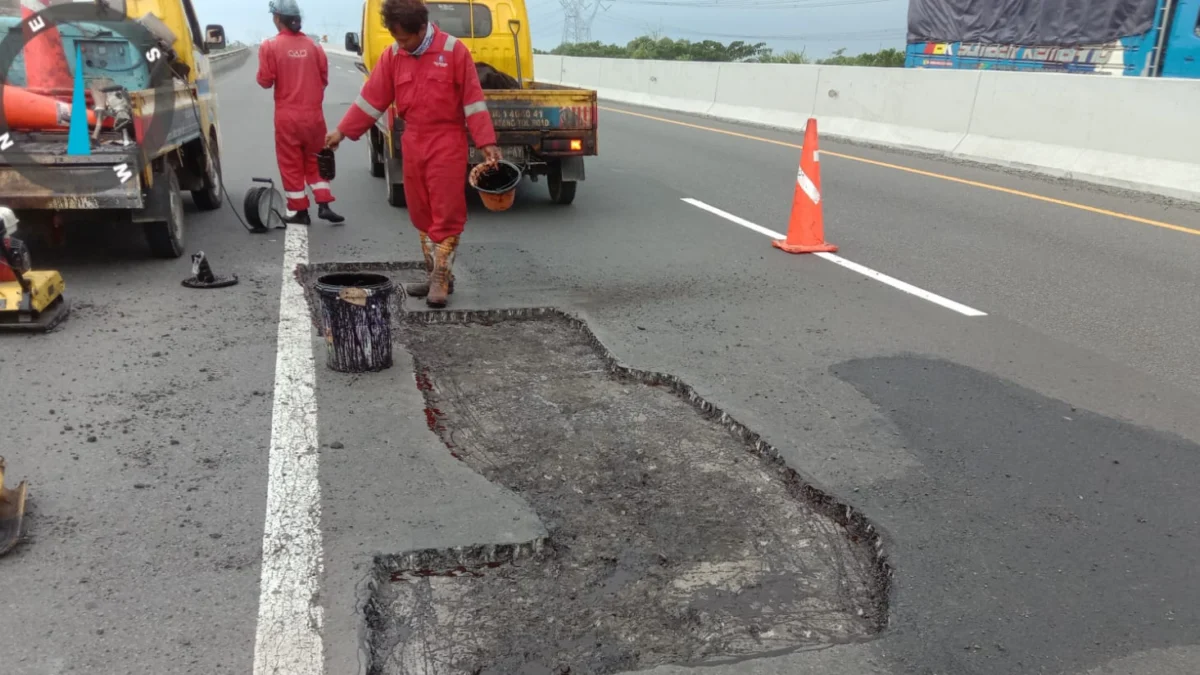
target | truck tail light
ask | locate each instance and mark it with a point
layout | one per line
(563, 145)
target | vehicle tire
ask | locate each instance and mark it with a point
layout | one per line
(395, 191)
(561, 191)
(166, 238)
(210, 197)
(375, 153)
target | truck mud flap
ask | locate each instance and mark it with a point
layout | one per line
(395, 170)
(572, 169)
(18, 192)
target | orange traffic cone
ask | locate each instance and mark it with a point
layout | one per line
(46, 70)
(26, 110)
(806, 226)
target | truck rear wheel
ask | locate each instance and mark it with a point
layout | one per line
(166, 238)
(561, 191)
(209, 197)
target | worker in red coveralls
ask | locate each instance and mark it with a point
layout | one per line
(430, 77)
(297, 67)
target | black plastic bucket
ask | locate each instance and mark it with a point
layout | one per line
(356, 320)
(326, 165)
(498, 180)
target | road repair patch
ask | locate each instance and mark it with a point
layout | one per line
(675, 534)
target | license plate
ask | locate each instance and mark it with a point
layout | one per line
(513, 153)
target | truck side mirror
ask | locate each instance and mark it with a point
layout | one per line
(214, 36)
(352, 43)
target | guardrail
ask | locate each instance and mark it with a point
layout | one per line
(228, 59)
(1124, 132)
(340, 52)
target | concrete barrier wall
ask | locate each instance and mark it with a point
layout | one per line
(1127, 132)
(771, 94)
(548, 69)
(922, 109)
(225, 61)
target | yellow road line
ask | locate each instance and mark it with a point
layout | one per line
(919, 172)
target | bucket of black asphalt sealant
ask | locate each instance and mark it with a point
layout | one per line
(326, 164)
(356, 321)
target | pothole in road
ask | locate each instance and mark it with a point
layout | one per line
(675, 534)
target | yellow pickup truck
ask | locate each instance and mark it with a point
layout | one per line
(547, 129)
(148, 81)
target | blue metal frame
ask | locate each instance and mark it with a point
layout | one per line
(122, 61)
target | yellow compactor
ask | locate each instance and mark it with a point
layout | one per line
(30, 300)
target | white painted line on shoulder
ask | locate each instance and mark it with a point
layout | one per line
(734, 219)
(288, 639)
(848, 264)
(901, 285)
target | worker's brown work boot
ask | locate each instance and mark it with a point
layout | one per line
(443, 272)
(421, 289)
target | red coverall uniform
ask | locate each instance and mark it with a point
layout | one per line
(438, 96)
(299, 70)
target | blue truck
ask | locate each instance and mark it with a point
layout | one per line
(1129, 38)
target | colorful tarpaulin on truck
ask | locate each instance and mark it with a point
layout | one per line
(1028, 22)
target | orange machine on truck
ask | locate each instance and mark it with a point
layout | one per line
(546, 129)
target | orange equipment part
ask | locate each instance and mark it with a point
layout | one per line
(26, 110)
(497, 196)
(806, 226)
(46, 70)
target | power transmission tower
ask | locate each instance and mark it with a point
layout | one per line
(577, 19)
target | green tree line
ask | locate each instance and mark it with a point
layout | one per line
(665, 49)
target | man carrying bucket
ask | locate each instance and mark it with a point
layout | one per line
(297, 67)
(430, 77)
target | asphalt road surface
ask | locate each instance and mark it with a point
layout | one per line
(1015, 407)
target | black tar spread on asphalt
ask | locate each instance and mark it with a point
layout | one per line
(675, 534)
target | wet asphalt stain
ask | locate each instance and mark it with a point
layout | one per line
(1036, 537)
(674, 537)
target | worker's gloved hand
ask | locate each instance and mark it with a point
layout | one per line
(333, 139)
(491, 155)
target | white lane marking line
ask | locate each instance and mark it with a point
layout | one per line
(735, 219)
(288, 640)
(902, 285)
(848, 264)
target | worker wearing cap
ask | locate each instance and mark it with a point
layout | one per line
(430, 78)
(297, 67)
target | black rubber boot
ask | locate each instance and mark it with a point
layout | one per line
(300, 218)
(326, 213)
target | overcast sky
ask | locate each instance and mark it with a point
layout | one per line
(816, 26)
